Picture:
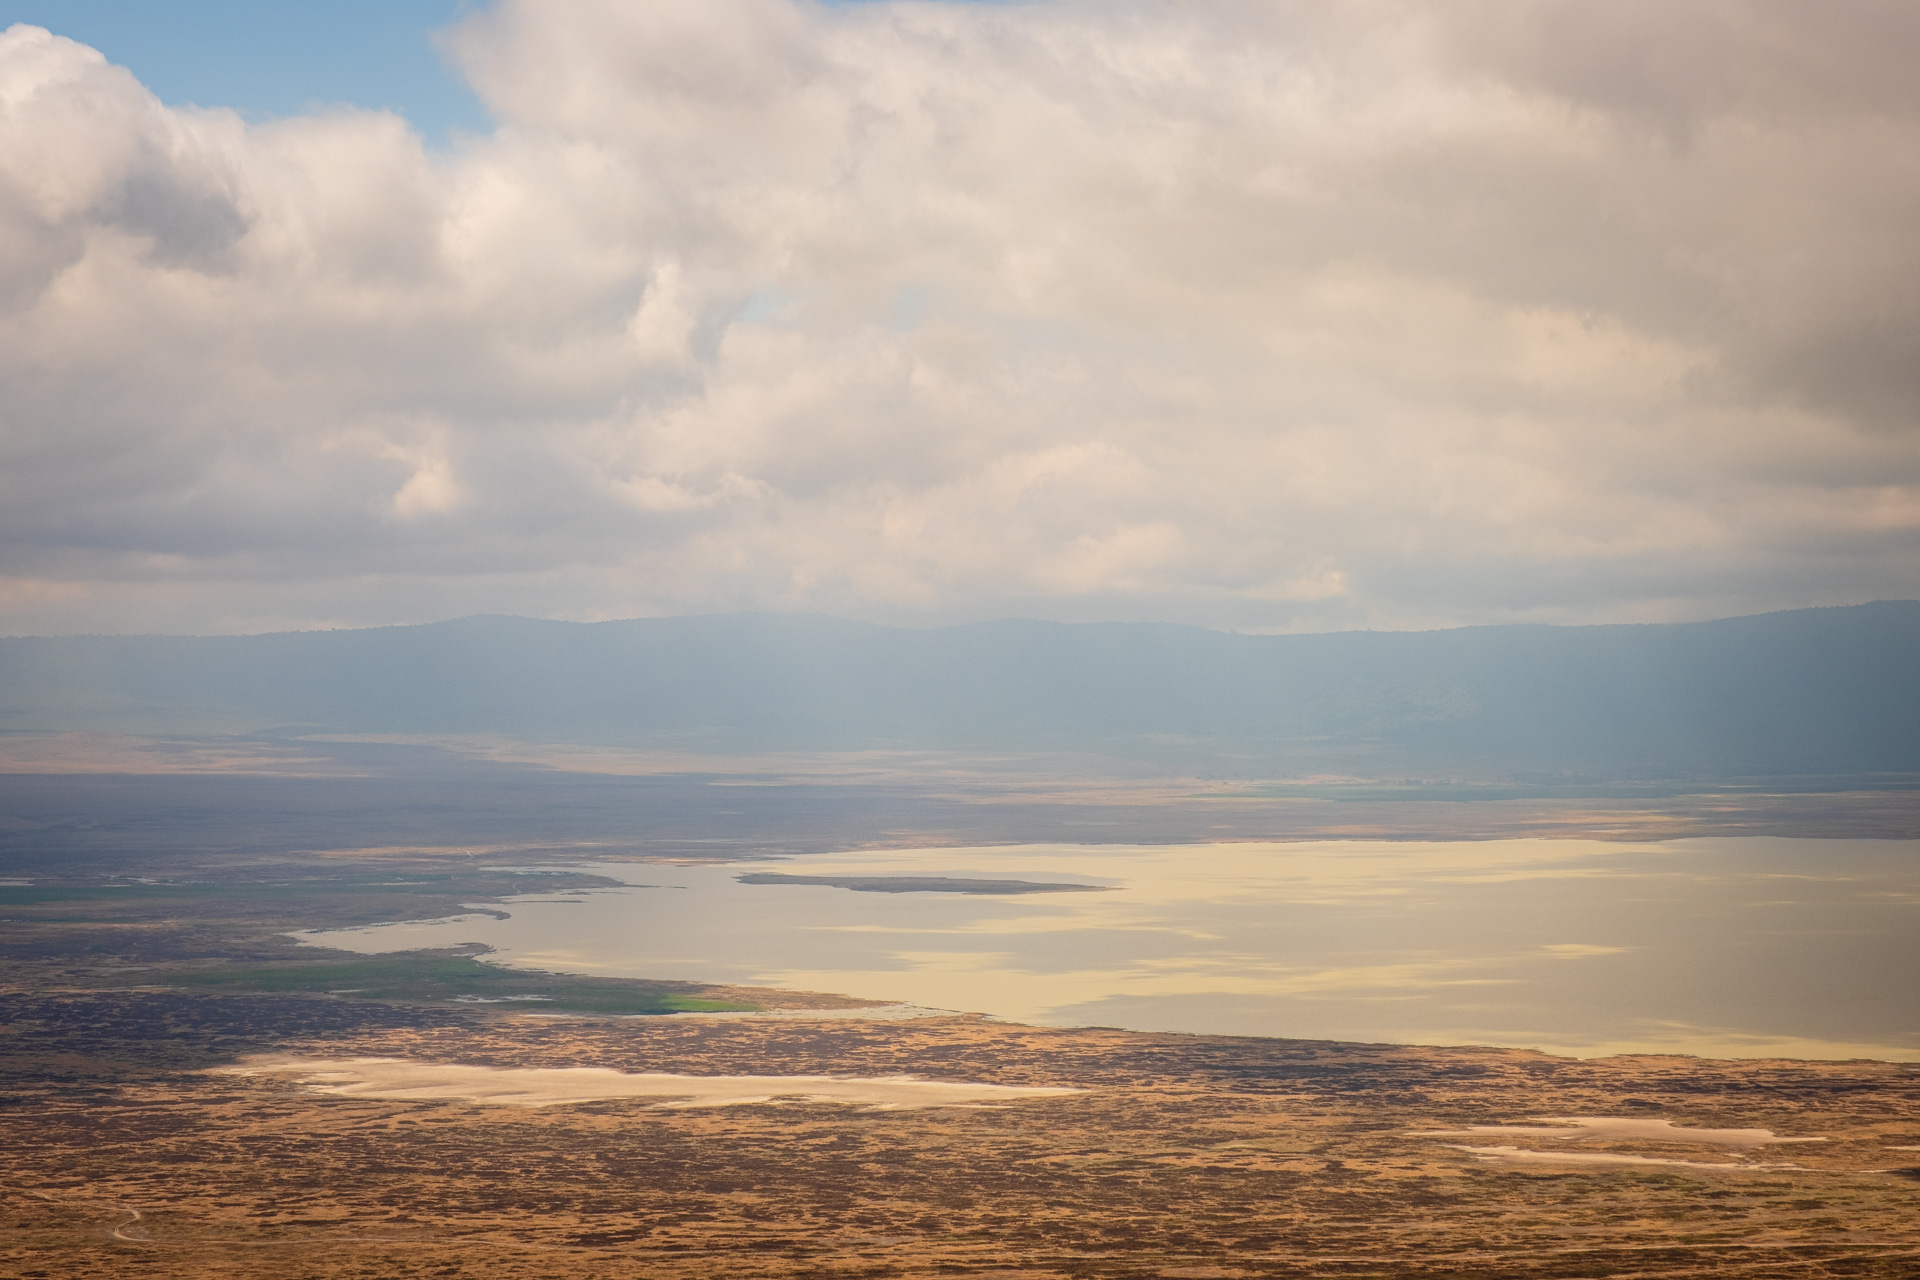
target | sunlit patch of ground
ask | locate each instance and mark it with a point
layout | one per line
(403, 1080)
(1619, 1129)
(1523, 1155)
(1642, 1131)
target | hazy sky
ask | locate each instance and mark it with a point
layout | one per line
(1260, 314)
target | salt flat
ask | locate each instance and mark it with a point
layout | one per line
(1622, 1129)
(1523, 1155)
(403, 1080)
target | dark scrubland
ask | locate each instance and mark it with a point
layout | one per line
(435, 976)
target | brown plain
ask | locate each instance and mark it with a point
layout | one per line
(1189, 1156)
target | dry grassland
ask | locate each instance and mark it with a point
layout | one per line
(122, 1155)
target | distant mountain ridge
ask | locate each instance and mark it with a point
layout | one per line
(1813, 691)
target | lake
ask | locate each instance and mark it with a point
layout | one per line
(1733, 947)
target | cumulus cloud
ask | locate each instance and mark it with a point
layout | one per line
(1276, 315)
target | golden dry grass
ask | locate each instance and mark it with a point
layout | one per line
(1188, 1156)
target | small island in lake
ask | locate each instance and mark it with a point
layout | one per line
(921, 884)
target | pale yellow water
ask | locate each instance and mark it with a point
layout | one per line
(1747, 947)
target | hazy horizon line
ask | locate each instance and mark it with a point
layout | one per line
(1247, 632)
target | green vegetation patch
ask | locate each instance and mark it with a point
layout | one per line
(415, 976)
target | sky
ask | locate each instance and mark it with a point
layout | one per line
(274, 58)
(1263, 314)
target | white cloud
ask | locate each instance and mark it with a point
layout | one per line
(1281, 315)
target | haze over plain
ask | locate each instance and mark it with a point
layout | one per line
(1826, 693)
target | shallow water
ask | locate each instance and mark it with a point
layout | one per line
(1757, 946)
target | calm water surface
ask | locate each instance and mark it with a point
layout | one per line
(1728, 947)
